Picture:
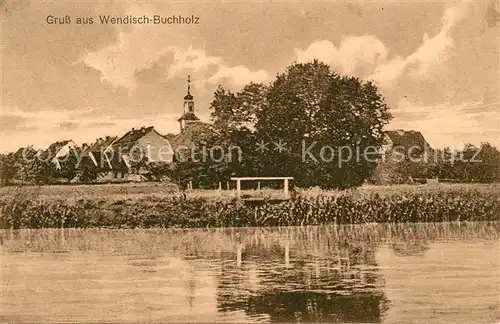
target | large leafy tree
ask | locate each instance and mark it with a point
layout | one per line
(32, 167)
(331, 125)
(234, 111)
(487, 163)
(88, 173)
(477, 164)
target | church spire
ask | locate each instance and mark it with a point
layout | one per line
(189, 96)
(189, 114)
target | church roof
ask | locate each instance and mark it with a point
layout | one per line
(188, 116)
(193, 132)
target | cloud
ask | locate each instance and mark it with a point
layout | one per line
(115, 64)
(353, 52)
(239, 76)
(119, 62)
(141, 48)
(367, 56)
(101, 124)
(193, 60)
(67, 125)
(432, 53)
(13, 123)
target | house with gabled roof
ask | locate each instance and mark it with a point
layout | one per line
(27, 152)
(99, 157)
(129, 153)
(96, 151)
(400, 146)
(56, 151)
(409, 141)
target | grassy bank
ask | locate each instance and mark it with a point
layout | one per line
(29, 209)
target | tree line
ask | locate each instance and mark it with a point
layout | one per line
(309, 104)
(470, 164)
(300, 125)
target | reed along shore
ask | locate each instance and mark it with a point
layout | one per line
(151, 211)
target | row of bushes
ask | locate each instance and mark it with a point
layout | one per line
(432, 206)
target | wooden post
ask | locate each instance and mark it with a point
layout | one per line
(239, 249)
(287, 253)
(286, 189)
(63, 241)
(220, 186)
(227, 185)
(258, 185)
(238, 188)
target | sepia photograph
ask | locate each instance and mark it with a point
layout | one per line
(250, 161)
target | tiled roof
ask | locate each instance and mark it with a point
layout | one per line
(102, 143)
(28, 152)
(129, 140)
(134, 135)
(57, 145)
(52, 150)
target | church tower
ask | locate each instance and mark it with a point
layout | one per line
(189, 116)
(189, 99)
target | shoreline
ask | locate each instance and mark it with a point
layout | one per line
(26, 209)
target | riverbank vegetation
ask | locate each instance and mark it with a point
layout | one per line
(25, 208)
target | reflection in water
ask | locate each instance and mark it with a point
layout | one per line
(372, 273)
(315, 306)
(340, 286)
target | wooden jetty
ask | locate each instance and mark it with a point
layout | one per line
(286, 190)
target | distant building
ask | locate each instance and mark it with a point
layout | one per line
(27, 152)
(99, 157)
(124, 158)
(145, 142)
(407, 142)
(58, 150)
(399, 146)
(95, 152)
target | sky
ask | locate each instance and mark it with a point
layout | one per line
(436, 63)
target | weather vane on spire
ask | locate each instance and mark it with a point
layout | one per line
(189, 83)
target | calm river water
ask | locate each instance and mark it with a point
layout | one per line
(408, 273)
